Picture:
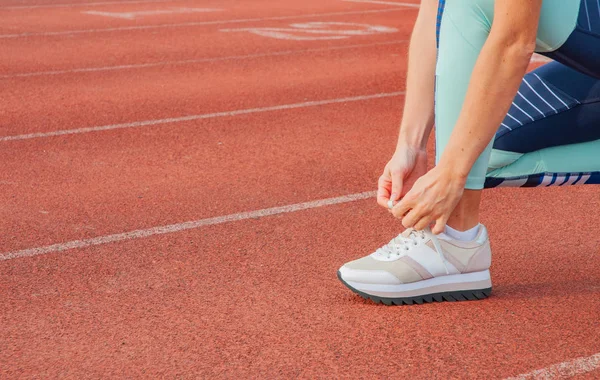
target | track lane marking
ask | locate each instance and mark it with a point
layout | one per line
(136, 14)
(36, 6)
(200, 23)
(200, 60)
(563, 370)
(173, 228)
(317, 30)
(399, 4)
(147, 123)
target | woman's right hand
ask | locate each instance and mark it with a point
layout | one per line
(407, 165)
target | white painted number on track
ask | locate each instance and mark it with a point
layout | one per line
(317, 31)
(134, 15)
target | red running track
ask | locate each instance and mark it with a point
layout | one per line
(256, 297)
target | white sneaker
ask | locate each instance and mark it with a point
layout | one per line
(417, 267)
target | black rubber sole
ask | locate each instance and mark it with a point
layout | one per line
(462, 295)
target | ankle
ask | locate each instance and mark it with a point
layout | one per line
(465, 235)
(466, 213)
(463, 224)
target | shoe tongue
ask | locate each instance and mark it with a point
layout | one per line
(407, 232)
(398, 239)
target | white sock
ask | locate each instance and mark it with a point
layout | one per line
(467, 235)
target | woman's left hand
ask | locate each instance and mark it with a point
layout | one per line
(433, 197)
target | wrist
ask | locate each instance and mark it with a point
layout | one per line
(455, 164)
(414, 137)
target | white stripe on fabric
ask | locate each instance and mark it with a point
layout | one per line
(571, 180)
(564, 181)
(559, 180)
(506, 126)
(598, 4)
(548, 88)
(431, 261)
(540, 96)
(519, 108)
(514, 182)
(546, 181)
(509, 115)
(578, 178)
(587, 14)
(584, 179)
(531, 104)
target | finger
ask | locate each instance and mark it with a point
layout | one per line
(411, 218)
(384, 186)
(404, 206)
(423, 223)
(397, 182)
(440, 225)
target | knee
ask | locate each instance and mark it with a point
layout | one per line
(501, 158)
(468, 21)
(472, 13)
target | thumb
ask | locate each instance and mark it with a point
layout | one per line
(396, 186)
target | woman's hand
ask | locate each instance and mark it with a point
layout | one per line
(400, 173)
(433, 197)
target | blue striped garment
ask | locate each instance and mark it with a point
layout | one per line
(545, 180)
(589, 17)
(438, 25)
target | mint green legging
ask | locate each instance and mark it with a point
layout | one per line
(464, 28)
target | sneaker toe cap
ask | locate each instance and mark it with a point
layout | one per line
(366, 276)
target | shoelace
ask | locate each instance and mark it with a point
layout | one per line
(400, 245)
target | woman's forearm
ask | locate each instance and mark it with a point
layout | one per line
(494, 82)
(417, 120)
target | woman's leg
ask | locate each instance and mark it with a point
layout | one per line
(578, 50)
(466, 213)
(463, 29)
(551, 135)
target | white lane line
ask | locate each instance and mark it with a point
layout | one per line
(200, 23)
(384, 3)
(35, 6)
(136, 14)
(172, 228)
(200, 60)
(563, 370)
(317, 30)
(147, 123)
